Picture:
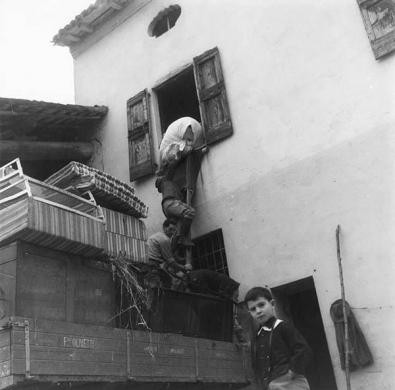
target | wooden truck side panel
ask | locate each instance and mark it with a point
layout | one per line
(7, 281)
(59, 349)
(62, 351)
(162, 356)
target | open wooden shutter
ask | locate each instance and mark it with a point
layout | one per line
(214, 108)
(139, 135)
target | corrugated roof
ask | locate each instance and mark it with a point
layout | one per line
(46, 121)
(87, 21)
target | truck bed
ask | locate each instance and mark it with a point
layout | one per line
(43, 351)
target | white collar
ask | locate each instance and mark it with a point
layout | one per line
(267, 329)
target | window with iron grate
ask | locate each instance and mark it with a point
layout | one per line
(209, 252)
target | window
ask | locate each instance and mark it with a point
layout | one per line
(139, 136)
(164, 21)
(198, 91)
(212, 96)
(177, 97)
(379, 19)
(209, 252)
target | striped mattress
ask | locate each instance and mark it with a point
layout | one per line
(107, 190)
(34, 221)
(125, 235)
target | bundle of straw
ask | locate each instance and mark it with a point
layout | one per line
(133, 297)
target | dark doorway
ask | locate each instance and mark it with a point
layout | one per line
(177, 97)
(297, 302)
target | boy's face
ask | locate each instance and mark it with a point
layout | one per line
(261, 310)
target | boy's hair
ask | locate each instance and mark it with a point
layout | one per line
(258, 292)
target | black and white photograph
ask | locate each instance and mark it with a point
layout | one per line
(197, 194)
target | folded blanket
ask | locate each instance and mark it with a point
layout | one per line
(107, 190)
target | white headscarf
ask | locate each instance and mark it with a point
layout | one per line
(173, 142)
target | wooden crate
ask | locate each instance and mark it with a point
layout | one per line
(38, 282)
(53, 351)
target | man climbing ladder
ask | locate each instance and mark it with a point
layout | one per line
(181, 152)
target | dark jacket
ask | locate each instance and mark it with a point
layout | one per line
(276, 348)
(360, 355)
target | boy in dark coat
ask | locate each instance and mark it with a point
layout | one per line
(279, 353)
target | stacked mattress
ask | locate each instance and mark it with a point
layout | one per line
(57, 214)
(107, 190)
(33, 211)
(125, 234)
(44, 224)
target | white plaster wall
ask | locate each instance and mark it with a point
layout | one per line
(312, 147)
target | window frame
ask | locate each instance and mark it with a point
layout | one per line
(216, 234)
(214, 96)
(216, 93)
(382, 45)
(140, 134)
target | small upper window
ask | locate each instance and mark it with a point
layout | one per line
(164, 21)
